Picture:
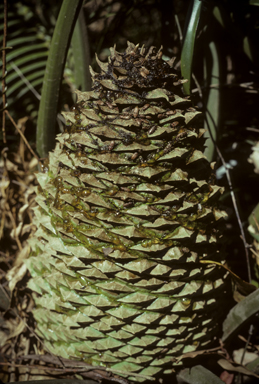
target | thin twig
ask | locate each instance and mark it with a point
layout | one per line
(70, 364)
(23, 137)
(29, 85)
(252, 129)
(16, 237)
(232, 194)
(4, 71)
(54, 360)
(250, 332)
(198, 85)
(179, 28)
(97, 373)
(84, 369)
(47, 368)
(246, 246)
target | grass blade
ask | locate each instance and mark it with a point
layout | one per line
(212, 107)
(81, 54)
(188, 45)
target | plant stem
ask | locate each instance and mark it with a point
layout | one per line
(53, 75)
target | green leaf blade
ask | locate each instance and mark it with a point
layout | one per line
(242, 312)
(188, 45)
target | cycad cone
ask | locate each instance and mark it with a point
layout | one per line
(126, 212)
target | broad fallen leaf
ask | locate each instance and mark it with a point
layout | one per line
(238, 368)
(240, 313)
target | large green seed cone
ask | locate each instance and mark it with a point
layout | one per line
(126, 215)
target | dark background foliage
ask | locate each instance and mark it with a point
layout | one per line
(231, 25)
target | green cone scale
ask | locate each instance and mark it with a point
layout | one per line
(127, 211)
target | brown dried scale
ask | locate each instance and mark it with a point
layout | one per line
(126, 213)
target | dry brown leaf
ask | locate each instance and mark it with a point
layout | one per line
(196, 353)
(227, 365)
(19, 270)
(15, 327)
(15, 232)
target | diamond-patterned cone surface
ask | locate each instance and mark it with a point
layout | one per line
(126, 213)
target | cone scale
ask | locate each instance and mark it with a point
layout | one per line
(127, 210)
